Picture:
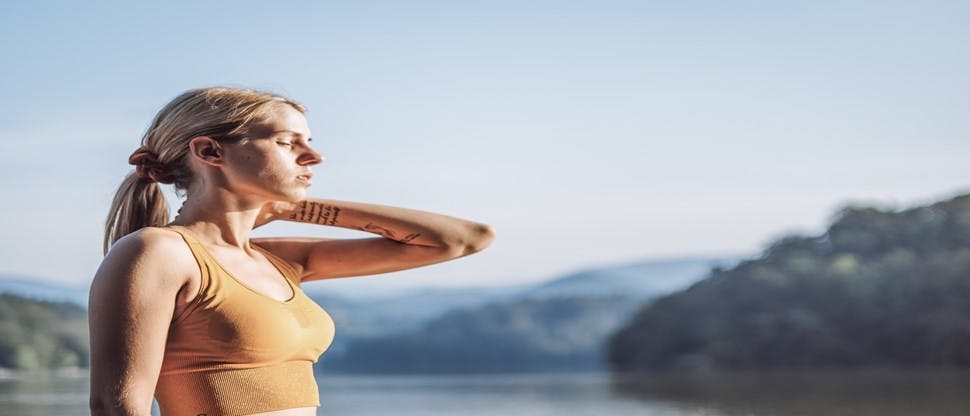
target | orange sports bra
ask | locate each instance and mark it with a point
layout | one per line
(234, 351)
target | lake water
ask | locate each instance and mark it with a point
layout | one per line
(884, 393)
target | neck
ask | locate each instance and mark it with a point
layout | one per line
(219, 217)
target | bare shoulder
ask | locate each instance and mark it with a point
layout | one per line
(152, 246)
(149, 257)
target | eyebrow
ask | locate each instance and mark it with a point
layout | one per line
(294, 133)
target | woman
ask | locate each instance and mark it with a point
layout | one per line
(199, 314)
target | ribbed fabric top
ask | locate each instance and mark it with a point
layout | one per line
(235, 351)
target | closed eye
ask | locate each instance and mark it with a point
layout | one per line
(285, 143)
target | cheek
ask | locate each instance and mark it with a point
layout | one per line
(270, 169)
(264, 165)
(250, 162)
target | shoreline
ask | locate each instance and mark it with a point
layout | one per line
(68, 372)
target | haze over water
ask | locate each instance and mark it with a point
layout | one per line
(884, 393)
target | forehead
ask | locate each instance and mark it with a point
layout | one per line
(281, 118)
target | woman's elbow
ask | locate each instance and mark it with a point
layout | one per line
(480, 237)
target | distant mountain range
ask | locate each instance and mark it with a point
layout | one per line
(366, 318)
(39, 289)
(363, 317)
(560, 325)
(640, 279)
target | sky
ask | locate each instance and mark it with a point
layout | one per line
(585, 133)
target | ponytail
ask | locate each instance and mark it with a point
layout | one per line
(137, 204)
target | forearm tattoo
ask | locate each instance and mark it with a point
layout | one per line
(323, 214)
(316, 213)
(377, 229)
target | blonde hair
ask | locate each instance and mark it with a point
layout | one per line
(221, 113)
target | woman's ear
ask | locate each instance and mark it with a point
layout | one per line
(206, 150)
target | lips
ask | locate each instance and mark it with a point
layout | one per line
(305, 177)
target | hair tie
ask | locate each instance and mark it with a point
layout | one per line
(148, 168)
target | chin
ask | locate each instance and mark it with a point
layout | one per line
(296, 196)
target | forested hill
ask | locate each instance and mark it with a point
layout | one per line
(879, 288)
(523, 335)
(40, 335)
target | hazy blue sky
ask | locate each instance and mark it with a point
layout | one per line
(586, 133)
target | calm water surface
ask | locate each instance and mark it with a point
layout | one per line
(885, 393)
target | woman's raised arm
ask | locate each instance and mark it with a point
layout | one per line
(131, 304)
(411, 238)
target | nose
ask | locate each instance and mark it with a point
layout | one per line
(311, 157)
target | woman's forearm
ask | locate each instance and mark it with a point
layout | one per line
(403, 225)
